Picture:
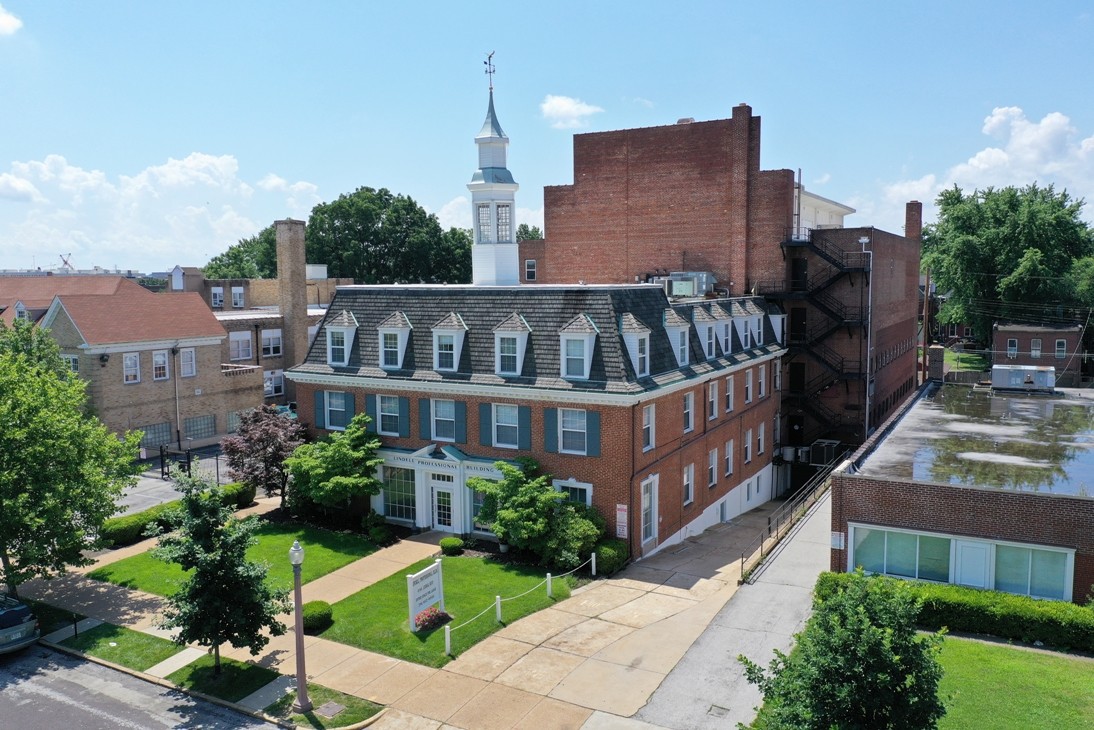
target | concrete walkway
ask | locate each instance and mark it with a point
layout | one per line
(592, 660)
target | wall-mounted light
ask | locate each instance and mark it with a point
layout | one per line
(104, 359)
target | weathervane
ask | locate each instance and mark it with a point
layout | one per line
(489, 63)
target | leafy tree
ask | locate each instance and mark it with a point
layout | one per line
(859, 664)
(251, 258)
(331, 473)
(526, 511)
(257, 452)
(61, 470)
(526, 232)
(1002, 253)
(377, 237)
(226, 599)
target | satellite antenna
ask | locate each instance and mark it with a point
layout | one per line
(489, 63)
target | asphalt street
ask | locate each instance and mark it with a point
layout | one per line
(41, 689)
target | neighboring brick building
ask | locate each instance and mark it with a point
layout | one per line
(1053, 346)
(152, 361)
(963, 487)
(688, 200)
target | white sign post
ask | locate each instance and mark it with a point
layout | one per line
(423, 589)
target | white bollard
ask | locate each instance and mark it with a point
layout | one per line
(594, 564)
(497, 607)
(447, 640)
(550, 593)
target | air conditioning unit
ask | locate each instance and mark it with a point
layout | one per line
(823, 451)
(803, 455)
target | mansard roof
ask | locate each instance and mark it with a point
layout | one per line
(342, 319)
(579, 325)
(629, 324)
(513, 323)
(397, 321)
(451, 321)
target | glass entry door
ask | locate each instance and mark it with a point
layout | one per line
(442, 502)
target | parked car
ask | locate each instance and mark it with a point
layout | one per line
(18, 625)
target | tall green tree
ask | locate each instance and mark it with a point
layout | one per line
(526, 232)
(1005, 254)
(331, 473)
(378, 237)
(61, 470)
(226, 598)
(257, 452)
(859, 664)
(251, 258)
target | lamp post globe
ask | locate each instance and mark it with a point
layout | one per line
(303, 703)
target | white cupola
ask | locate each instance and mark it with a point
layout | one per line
(494, 255)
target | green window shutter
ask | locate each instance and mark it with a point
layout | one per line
(425, 418)
(320, 409)
(370, 411)
(351, 405)
(524, 427)
(461, 422)
(592, 433)
(550, 430)
(486, 424)
(404, 417)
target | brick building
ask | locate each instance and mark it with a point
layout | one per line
(979, 490)
(1059, 346)
(688, 202)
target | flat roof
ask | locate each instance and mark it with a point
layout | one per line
(965, 436)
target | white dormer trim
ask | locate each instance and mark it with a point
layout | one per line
(588, 341)
(744, 331)
(758, 331)
(638, 347)
(442, 337)
(680, 341)
(340, 333)
(402, 336)
(522, 345)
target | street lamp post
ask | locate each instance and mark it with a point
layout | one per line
(302, 704)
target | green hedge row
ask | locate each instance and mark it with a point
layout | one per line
(1060, 624)
(129, 529)
(611, 555)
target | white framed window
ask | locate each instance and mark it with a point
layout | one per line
(712, 400)
(729, 394)
(131, 368)
(506, 426)
(777, 375)
(729, 457)
(188, 363)
(760, 433)
(1012, 347)
(574, 357)
(336, 412)
(161, 369)
(339, 341)
(444, 420)
(709, 343)
(762, 385)
(1035, 347)
(529, 269)
(649, 426)
(505, 224)
(271, 343)
(642, 347)
(507, 355)
(72, 362)
(239, 346)
(682, 347)
(273, 383)
(237, 297)
(748, 385)
(575, 491)
(689, 484)
(389, 354)
(746, 336)
(689, 412)
(485, 229)
(748, 446)
(399, 493)
(1061, 349)
(758, 332)
(572, 433)
(712, 467)
(387, 412)
(649, 508)
(216, 296)
(444, 357)
(727, 339)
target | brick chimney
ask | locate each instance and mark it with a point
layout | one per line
(913, 220)
(292, 295)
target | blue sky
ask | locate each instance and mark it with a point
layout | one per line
(141, 135)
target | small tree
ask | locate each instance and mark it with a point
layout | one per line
(859, 664)
(226, 599)
(257, 452)
(527, 512)
(332, 472)
(526, 232)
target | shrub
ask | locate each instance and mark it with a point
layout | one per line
(611, 555)
(237, 495)
(451, 546)
(1057, 623)
(431, 618)
(129, 529)
(373, 519)
(381, 536)
(317, 616)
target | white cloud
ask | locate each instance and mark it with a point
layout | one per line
(564, 112)
(17, 188)
(642, 102)
(531, 217)
(822, 179)
(8, 22)
(456, 213)
(302, 196)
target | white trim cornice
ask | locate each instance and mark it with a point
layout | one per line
(151, 345)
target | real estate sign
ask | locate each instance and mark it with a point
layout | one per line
(423, 589)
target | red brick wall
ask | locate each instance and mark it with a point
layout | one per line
(1038, 519)
(1067, 369)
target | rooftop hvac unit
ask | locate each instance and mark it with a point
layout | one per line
(823, 451)
(803, 454)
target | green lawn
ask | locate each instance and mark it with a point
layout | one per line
(376, 618)
(123, 646)
(967, 361)
(1006, 688)
(325, 551)
(236, 680)
(356, 710)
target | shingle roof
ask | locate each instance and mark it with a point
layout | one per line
(513, 323)
(451, 321)
(672, 318)
(698, 314)
(343, 319)
(118, 318)
(629, 324)
(579, 325)
(397, 320)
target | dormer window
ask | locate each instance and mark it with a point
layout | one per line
(709, 344)
(705, 323)
(448, 336)
(576, 341)
(642, 362)
(393, 333)
(574, 353)
(636, 336)
(758, 331)
(216, 296)
(507, 355)
(676, 327)
(682, 347)
(510, 342)
(340, 332)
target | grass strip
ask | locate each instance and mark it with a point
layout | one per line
(117, 644)
(235, 681)
(356, 709)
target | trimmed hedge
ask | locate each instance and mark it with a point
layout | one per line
(130, 529)
(451, 546)
(237, 494)
(611, 555)
(317, 616)
(1060, 624)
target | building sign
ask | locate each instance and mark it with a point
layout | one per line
(621, 521)
(423, 589)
